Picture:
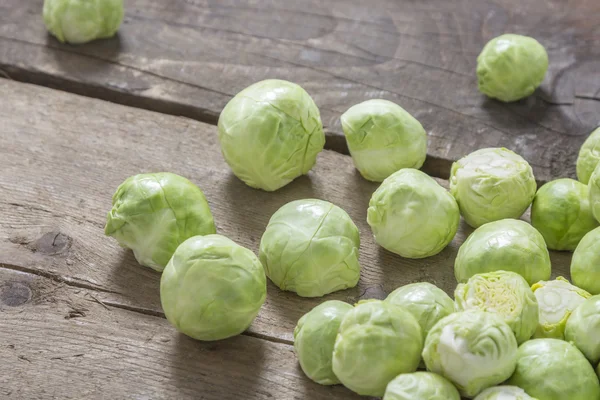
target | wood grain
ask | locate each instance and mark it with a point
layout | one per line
(189, 57)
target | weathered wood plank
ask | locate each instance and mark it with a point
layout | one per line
(188, 57)
(62, 156)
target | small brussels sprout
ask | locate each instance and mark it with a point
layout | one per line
(383, 138)
(585, 264)
(314, 338)
(76, 21)
(473, 349)
(426, 302)
(552, 369)
(583, 328)
(504, 393)
(212, 288)
(419, 386)
(594, 193)
(508, 244)
(492, 184)
(589, 156)
(504, 293)
(510, 67)
(271, 133)
(561, 212)
(412, 215)
(311, 247)
(376, 342)
(557, 299)
(152, 214)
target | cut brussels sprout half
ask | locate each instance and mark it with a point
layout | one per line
(420, 386)
(583, 329)
(504, 393)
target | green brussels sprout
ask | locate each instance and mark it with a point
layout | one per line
(425, 301)
(510, 67)
(77, 21)
(473, 349)
(419, 386)
(557, 299)
(271, 133)
(589, 156)
(585, 264)
(152, 214)
(504, 293)
(376, 342)
(503, 393)
(561, 212)
(552, 369)
(492, 184)
(594, 193)
(212, 288)
(314, 338)
(383, 138)
(583, 328)
(509, 245)
(412, 215)
(311, 247)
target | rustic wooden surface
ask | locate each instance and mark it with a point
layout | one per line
(66, 289)
(189, 57)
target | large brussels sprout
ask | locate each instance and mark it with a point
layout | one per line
(594, 193)
(314, 338)
(271, 133)
(585, 264)
(504, 293)
(383, 138)
(589, 156)
(473, 349)
(510, 67)
(311, 247)
(420, 386)
(212, 288)
(561, 212)
(557, 299)
(376, 342)
(503, 393)
(77, 21)
(425, 301)
(152, 214)
(412, 215)
(492, 184)
(508, 244)
(583, 328)
(551, 369)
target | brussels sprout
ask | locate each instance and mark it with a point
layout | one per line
(589, 155)
(510, 67)
(152, 214)
(583, 328)
(412, 215)
(311, 247)
(77, 21)
(376, 342)
(508, 244)
(420, 386)
(556, 301)
(383, 138)
(212, 288)
(504, 293)
(426, 302)
(271, 133)
(492, 184)
(314, 338)
(552, 369)
(503, 393)
(561, 212)
(585, 264)
(594, 193)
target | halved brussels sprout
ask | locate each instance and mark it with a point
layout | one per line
(420, 386)
(583, 328)
(509, 245)
(589, 156)
(557, 299)
(492, 184)
(311, 247)
(585, 264)
(503, 393)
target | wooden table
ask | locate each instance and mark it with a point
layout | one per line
(79, 318)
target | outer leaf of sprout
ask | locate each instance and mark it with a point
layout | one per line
(585, 264)
(589, 156)
(503, 393)
(583, 329)
(420, 386)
